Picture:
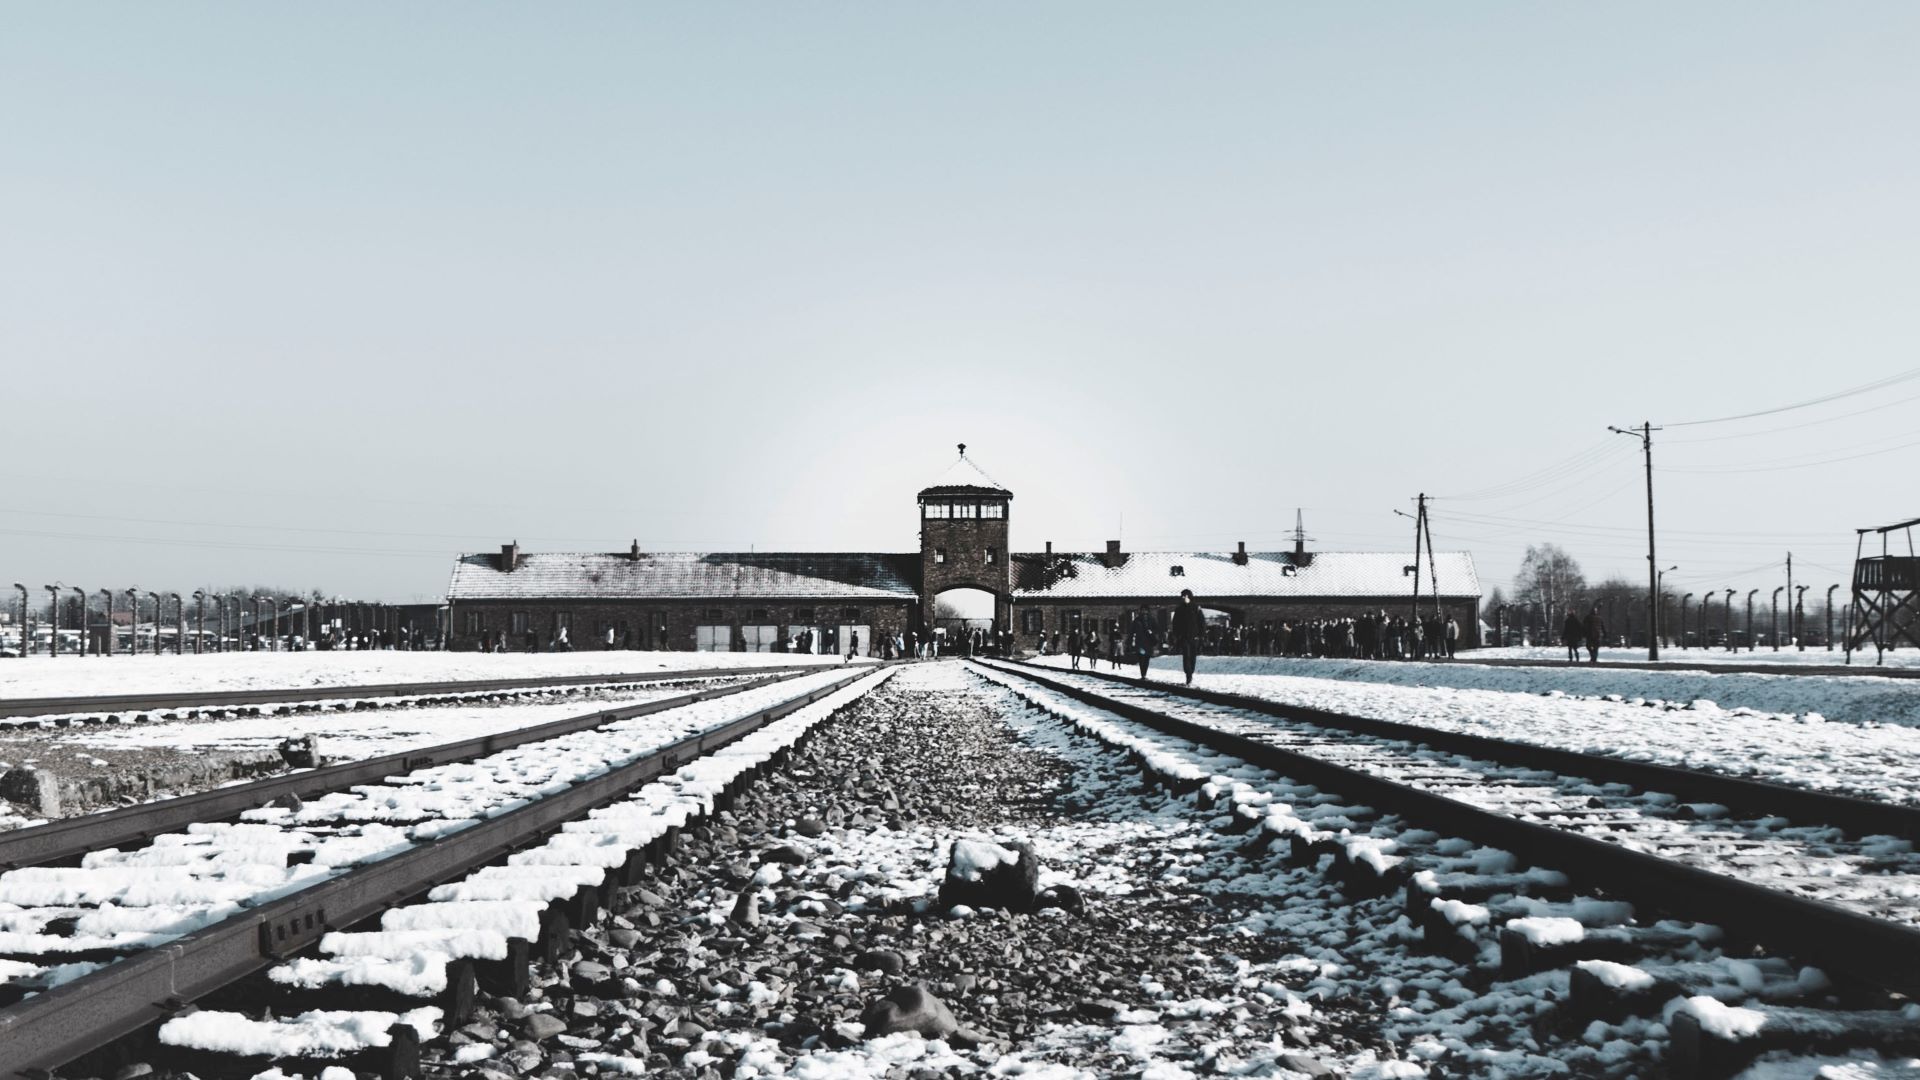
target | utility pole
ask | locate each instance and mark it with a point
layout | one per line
(1790, 633)
(1645, 435)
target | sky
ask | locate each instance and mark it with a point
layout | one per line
(318, 296)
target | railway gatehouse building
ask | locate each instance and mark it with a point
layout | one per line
(964, 578)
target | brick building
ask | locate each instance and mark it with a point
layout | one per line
(732, 601)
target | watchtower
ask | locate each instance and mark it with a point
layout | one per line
(963, 540)
(1886, 594)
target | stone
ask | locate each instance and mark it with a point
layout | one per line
(746, 910)
(885, 961)
(810, 827)
(909, 1008)
(590, 971)
(987, 875)
(543, 1026)
(785, 855)
(1064, 897)
(1308, 1065)
(1100, 1008)
(624, 938)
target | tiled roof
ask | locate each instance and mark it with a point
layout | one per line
(1329, 574)
(963, 477)
(681, 575)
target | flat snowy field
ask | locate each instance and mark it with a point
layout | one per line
(1866, 759)
(42, 676)
(1677, 657)
(1855, 699)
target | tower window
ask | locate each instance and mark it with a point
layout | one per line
(993, 510)
(939, 556)
(966, 510)
(990, 557)
(937, 509)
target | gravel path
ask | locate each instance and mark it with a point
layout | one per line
(763, 949)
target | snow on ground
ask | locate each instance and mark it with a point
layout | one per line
(42, 676)
(1863, 759)
(1678, 657)
(344, 736)
(1855, 699)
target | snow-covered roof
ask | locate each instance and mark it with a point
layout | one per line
(688, 575)
(1330, 574)
(963, 477)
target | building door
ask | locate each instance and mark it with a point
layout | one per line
(847, 632)
(760, 638)
(817, 642)
(712, 638)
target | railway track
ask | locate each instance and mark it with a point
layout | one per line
(199, 702)
(375, 898)
(1695, 897)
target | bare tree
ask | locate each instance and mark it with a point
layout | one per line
(1550, 578)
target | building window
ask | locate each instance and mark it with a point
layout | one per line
(1073, 620)
(937, 509)
(966, 510)
(939, 556)
(520, 621)
(473, 622)
(759, 616)
(990, 557)
(849, 614)
(1030, 620)
(993, 510)
(804, 615)
(715, 615)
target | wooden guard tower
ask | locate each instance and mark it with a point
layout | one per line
(1886, 594)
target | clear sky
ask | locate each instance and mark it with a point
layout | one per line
(318, 295)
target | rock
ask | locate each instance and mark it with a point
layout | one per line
(300, 752)
(746, 910)
(33, 790)
(1308, 1065)
(643, 897)
(785, 854)
(523, 1061)
(543, 1026)
(982, 874)
(1100, 1009)
(623, 938)
(589, 971)
(885, 961)
(1064, 897)
(511, 1008)
(909, 1008)
(810, 827)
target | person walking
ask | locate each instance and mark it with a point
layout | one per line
(1073, 647)
(1142, 635)
(853, 645)
(1574, 631)
(1595, 629)
(1453, 636)
(1188, 626)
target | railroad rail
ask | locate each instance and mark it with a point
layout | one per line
(511, 800)
(1577, 834)
(63, 840)
(225, 699)
(1754, 668)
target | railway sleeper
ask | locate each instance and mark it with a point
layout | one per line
(1609, 991)
(395, 1055)
(1713, 1041)
(1524, 953)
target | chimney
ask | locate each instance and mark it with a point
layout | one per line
(509, 557)
(634, 552)
(1240, 557)
(1112, 558)
(1049, 549)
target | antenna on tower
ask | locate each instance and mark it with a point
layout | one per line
(963, 449)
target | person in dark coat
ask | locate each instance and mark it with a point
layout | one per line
(1189, 625)
(1595, 630)
(1074, 646)
(1574, 631)
(1142, 635)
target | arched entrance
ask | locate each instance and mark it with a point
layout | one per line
(960, 611)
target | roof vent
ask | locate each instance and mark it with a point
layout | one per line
(1176, 570)
(1112, 558)
(1240, 557)
(634, 551)
(509, 557)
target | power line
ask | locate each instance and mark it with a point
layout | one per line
(1864, 388)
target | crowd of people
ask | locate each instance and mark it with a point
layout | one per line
(1368, 636)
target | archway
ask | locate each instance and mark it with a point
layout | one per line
(959, 611)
